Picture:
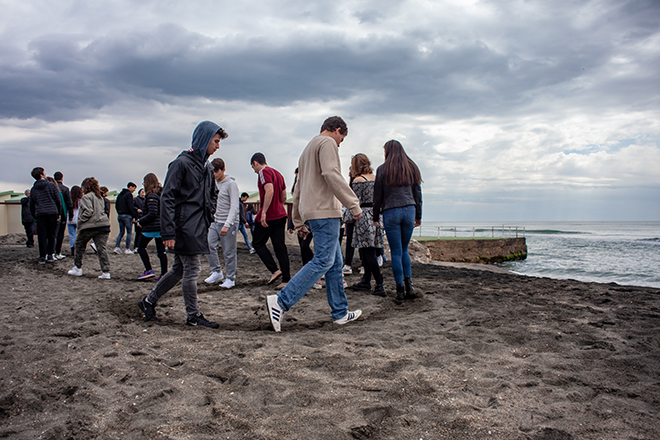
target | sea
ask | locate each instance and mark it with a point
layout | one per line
(626, 253)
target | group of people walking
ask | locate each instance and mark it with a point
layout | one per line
(198, 209)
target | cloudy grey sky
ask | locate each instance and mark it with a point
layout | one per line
(514, 110)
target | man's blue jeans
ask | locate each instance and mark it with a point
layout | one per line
(399, 224)
(125, 222)
(241, 228)
(327, 261)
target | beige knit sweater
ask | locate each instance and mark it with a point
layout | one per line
(321, 190)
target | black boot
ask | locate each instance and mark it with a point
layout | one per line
(364, 284)
(379, 289)
(408, 285)
(400, 292)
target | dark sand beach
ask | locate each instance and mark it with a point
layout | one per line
(477, 355)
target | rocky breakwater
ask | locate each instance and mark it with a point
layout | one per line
(478, 250)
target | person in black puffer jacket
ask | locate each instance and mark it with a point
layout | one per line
(45, 206)
(149, 223)
(27, 219)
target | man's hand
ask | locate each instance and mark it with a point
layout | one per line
(302, 233)
(357, 217)
(417, 222)
(169, 244)
(263, 220)
(224, 230)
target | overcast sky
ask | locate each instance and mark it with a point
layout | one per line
(514, 110)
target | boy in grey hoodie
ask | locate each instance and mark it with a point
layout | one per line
(223, 229)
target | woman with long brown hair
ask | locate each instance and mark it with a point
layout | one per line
(93, 224)
(367, 232)
(149, 222)
(398, 197)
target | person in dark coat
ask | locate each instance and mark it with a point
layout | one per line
(27, 219)
(138, 208)
(68, 203)
(187, 206)
(45, 206)
(125, 215)
(149, 224)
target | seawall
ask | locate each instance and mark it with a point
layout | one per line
(478, 251)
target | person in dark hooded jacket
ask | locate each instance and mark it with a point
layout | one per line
(187, 207)
(45, 206)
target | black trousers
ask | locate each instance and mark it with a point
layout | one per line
(29, 233)
(305, 251)
(275, 232)
(60, 237)
(370, 264)
(46, 232)
(160, 250)
(350, 250)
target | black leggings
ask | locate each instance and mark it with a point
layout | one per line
(370, 264)
(46, 231)
(350, 250)
(305, 251)
(160, 250)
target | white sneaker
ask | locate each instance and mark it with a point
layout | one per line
(104, 276)
(380, 260)
(252, 251)
(60, 257)
(116, 251)
(128, 251)
(350, 316)
(214, 278)
(345, 283)
(318, 285)
(228, 284)
(361, 270)
(76, 271)
(347, 270)
(275, 312)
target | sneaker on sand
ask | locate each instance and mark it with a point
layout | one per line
(105, 276)
(128, 251)
(252, 251)
(275, 312)
(148, 310)
(379, 259)
(93, 246)
(146, 274)
(50, 258)
(318, 284)
(199, 320)
(347, 270)
(60, 257)
(361, 270)
(228, 284)
(42, 261)
(350, 316)
(76, 271)
(116, 251)
(345, 284)
(214, 278)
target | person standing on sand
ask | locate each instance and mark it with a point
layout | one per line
(45, 206)
(223, 229)
(68, 204)
(94, 224)
(317, 200)
(27, 219)
(149, 224)
(125, 214)
(398, 196)
(270, 221)
(188, 202)
(242, 221)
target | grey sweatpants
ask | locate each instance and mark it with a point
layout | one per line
(186, 268)
(228, 243)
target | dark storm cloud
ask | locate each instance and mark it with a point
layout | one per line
(425, 72)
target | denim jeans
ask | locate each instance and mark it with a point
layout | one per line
(399, 224)
(125, 222)
(186, 269)
(72, 233)
(327, 261)
(243, 231)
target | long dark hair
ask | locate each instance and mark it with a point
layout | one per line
(76, 195)
(151, 183)
(89, 185)
(399, 169)
(360, 164)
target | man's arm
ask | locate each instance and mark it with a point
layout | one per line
(265, 204)
(167, 204)
(233, 208)
(330, 166)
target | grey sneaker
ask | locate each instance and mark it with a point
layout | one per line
(199, 320)
(275, 312)
(350, 316)
(148, 310)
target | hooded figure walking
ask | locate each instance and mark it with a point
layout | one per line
(188, 201)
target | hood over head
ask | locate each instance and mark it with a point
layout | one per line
(202, 135)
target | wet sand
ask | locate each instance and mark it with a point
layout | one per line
(476, 355)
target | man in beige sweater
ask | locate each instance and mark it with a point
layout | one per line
(317, 201)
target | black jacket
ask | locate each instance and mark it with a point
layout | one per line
(189, 196)
(138, 203)
(26, 215)
(150, 220)
(44, 199)
(124, 203)
(67, 199)
(388, 197)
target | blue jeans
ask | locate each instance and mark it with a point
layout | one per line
(399, 224)
(327, 261)
(125, 222)
(72, 233)
(241, 228)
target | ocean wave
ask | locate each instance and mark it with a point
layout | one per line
(649, 240)
(554, 232)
